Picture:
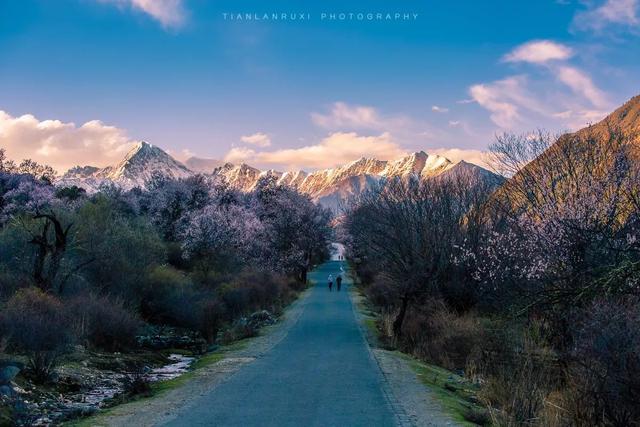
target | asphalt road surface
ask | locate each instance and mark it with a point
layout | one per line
(320, 374)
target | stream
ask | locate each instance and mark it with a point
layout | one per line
(107, 387)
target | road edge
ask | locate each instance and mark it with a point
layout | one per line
(423, 410)
(402, 419)
(159, 409)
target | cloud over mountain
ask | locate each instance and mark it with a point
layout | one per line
(335, 149)
(258, 139)
(343, 116)
(62, 145)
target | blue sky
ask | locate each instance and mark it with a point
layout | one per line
(81, 79)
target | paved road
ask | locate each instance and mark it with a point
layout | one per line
(320, 374)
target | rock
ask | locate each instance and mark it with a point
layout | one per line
(43, 422)
(54, 377)
(164, 338)
(69, 384)
(6, 390)
(261, 318)
(8, 371)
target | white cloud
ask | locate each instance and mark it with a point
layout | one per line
(497, 97)
(170, 13)
(181, 155)
(517, 103)
(62, 145)
(554, 94)
(539, 52)
(454, 123)
(336, 149)
(576, 119)
(437, 109)
(582, 84)
(610, 12)
(348, 117)
(258, 139)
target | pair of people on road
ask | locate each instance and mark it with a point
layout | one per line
(338, 282)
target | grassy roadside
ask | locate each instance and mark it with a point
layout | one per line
(456, 395)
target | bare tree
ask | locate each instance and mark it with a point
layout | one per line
(571, 213)
(410, 229)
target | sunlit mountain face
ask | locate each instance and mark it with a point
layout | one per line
(329, 187)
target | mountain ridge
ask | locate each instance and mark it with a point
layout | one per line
(326, 186)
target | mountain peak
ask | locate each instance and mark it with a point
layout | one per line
(143, 149)
(626, 118)
(327, 186)
(142, 162)
(141, 146)
(419, 164)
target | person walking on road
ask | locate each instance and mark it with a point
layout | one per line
(330, 282)
(339, 282)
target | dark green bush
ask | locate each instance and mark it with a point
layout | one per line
(37, 325)
(103, 323)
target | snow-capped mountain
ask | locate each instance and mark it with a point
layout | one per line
(140, 164)
(329, 187)
(418, 164)
(243, 177)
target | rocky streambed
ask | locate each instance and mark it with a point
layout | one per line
(82, 389)
(87, 381)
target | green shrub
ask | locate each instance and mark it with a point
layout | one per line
(173, 299)
(252, 290)
(103, 323)
(37, 325)
(604, 373)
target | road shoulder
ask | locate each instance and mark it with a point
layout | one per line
(413, 402)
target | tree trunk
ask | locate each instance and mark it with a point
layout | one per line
(397, 323)
(40, 258)
(54, 251)
(38, 267)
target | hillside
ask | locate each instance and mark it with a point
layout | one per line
(576, 158)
